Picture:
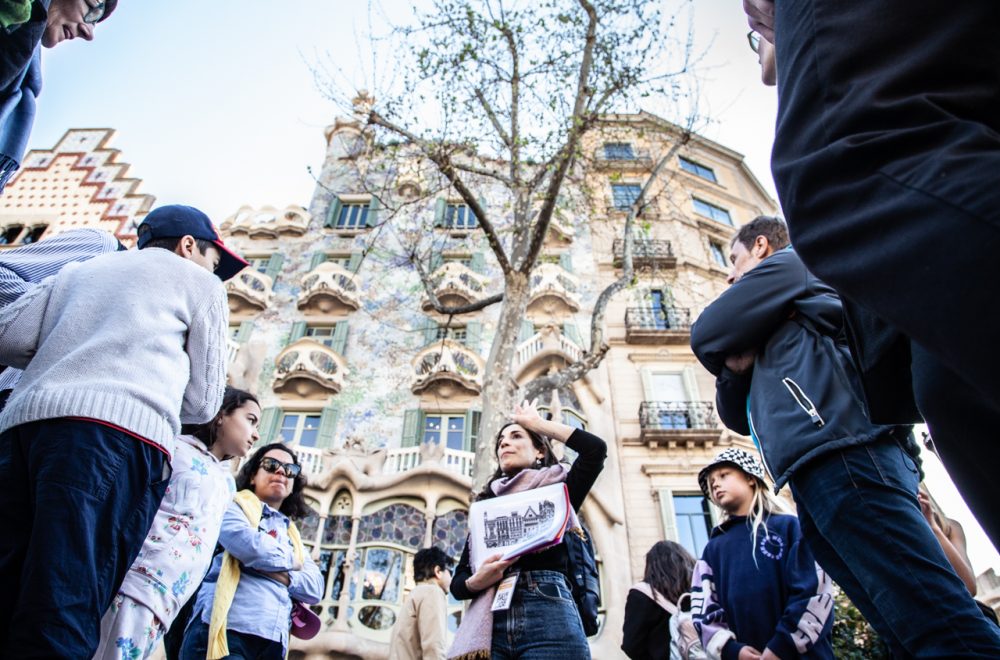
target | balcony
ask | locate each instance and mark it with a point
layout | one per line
(309, 369)
(678, 424)
(232, 348)
(646, 253)
(407, 458)
(640, 160)
(547, 344)
(250, 291)
(456, 284)
(657, 325)
(329, 289)
(553, 290)
(560, 229)
(447, 368)
(268, 222)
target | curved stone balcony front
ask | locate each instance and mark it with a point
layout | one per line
(250, 291)
(309, 369)
(329, 289)
(268, 222)
(553, 290)
(456, 284)
(448, 367)
(546, 344)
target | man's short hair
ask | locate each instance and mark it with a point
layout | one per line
(773, 229)
(426, 560)
(170, 243)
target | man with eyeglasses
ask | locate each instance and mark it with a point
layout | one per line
(45, 23)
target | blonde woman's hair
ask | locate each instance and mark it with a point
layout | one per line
(762, 505)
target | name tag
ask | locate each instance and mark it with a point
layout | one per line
(505, 592)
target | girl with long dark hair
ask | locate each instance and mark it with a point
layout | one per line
(542, 621)
(646, 632)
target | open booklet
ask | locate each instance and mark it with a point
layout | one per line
(519, 523)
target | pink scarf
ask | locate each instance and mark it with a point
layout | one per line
(474, 639)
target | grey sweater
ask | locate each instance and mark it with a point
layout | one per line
(135, 339)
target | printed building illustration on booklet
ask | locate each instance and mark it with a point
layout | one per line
(517, 524)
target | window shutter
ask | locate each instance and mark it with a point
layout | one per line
(690, 384)
(297, 333)
(430, 331)
(483, 206)
(317, 259)
(246, 327)
(440, 206)
(270, 420)
(436, 261)
(527, 330)
(339, 343)
(327, 425)
(478, 263)
(355, 262)
(411, 428)
(647, 384)
(566, 261)
(473, 335)
(274, 266)
(335, 206)
(374, 207)
(571, 333)
(667, 514)
(473, 418)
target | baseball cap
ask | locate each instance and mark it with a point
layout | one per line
(736, 457)
(175, 220)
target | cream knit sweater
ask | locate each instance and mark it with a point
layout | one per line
(135, 338)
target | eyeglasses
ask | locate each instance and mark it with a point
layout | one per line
(272, 465)
(754, 39)
(95, 13)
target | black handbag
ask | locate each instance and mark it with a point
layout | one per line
(585, 581)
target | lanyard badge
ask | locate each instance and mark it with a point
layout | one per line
(505, 592)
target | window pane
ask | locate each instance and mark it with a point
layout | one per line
(694, 522)
(432, 428)
(698, 169)
(623, 194)
(310, 429)
(383, 573)
(618, 151)
(712, 211)
(718, 254)
(456, 432)
(289, 423)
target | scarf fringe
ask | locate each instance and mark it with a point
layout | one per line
(482, 654)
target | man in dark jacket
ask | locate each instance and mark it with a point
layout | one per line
(774, 341)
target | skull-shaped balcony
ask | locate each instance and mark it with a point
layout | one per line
(456, 284)
(553, 290)
(268, 222)
(249, 292)
(329, 289)
(309, 369)
(447, 368)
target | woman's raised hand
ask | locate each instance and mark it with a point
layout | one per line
(526, 414)
(488, 574)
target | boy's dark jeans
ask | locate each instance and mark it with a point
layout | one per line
(78, 499)
(859, 513)
(242, 646)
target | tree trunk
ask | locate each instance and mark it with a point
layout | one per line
(499, 386)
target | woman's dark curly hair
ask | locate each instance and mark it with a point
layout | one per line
(231, 400)
(540, 442)
(294, 505)
(668, 569)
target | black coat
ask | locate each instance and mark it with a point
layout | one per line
(646, 631)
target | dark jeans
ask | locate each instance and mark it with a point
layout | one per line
(242, 646)
(78, 499)
(542, 622)
(859, 513)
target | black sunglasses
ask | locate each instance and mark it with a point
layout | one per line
(272, 465)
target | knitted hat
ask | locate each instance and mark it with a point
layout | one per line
(732, 456)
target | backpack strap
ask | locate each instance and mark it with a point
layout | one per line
(655, 596)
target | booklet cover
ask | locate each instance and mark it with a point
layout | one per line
(517, 524)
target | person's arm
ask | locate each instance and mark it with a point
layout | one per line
(466, 585)
(954, 550)
(251, 547)
(432, 624)
(21, 325)
(808, 611)
(709, 617)
(731, 392)
(206, 342)
(745, 316)
(306, 585)
(641, 615)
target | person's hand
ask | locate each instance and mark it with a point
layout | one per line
(768, 654)
(760, 16)
(526, 414)
(278, 576)
(749, 653)
(741, 363)
(927, 510)
(489, 573)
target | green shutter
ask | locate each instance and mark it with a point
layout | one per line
(355, 262)
(270, 422)
(318, 258)
(274, 266)
(246, 327)
(411, 428)
(430, 330)
(374, 207)
(473, 418)
(571, 333)
(527, 330)
(473, 335)
(327, 425)
(436, 261)
(566, 261)
(298, 332)
(340, 337)
(478, 263)
(335, 206)
(440, 206)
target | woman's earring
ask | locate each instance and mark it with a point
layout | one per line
(538, 463)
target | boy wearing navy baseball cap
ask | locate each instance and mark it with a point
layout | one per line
(118, 352)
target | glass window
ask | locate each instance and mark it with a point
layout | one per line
(259, 264)
(712, 211)
(342, 260)
(454, 333)
(383, 575)
(10, 234)
(450, 428)
(718, 254)
(352, 216)
(618, 151)
(299, 428)
(694, 522)
(322, 334)
(459, 216)
(698, 169)
(623, 194)
(234, 332)
(464, 260)
(34, 234)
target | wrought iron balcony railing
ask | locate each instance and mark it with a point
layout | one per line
(678, 422)
(657, 325)
(646, 253)
(638, 159)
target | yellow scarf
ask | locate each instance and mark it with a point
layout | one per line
(229, 576)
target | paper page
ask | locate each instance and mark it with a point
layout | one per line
(514, 524)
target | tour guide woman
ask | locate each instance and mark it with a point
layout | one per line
(542, 621)
(244, 606)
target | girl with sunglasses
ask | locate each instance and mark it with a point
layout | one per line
(244, 606)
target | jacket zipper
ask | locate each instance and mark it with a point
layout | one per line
(804, 402)
(760, 447)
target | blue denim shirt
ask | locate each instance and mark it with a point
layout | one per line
(261, 606)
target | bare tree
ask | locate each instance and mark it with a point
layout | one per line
(503, 94)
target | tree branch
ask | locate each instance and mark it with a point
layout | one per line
(491, 114)
(425, 279)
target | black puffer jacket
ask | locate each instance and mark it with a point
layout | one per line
(803, 391)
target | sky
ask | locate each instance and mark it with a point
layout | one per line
(215, 105)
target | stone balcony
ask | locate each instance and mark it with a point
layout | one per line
(309, 369)
(547, 344)
(397, 461)
(456, 284)
(553, 290)
(678, 424)
(329, 289)
(657, 325)
(646, 253)
(268, 222)
(250, 291)
(447, 368)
